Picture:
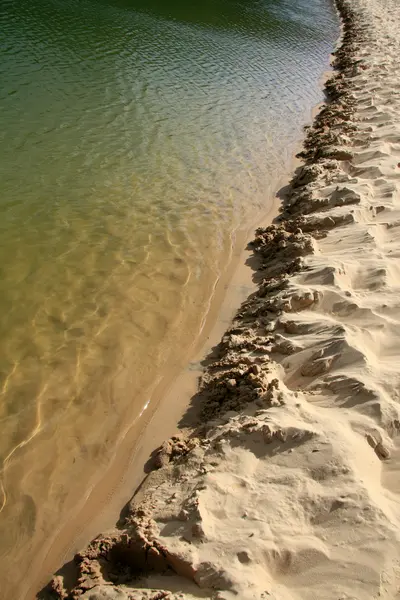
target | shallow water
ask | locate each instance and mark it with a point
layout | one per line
(137, 139)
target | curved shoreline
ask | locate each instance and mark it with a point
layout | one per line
(287, 488)
(167, 402)
(99, 509)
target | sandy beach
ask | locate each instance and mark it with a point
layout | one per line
(288, 486)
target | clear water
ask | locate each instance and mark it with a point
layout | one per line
(136, 139)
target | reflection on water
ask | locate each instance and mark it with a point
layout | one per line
(136, 138)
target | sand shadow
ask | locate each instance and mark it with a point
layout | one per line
(69, 573)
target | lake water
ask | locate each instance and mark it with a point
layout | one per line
(138, 139)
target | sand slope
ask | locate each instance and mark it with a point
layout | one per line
(291, 488)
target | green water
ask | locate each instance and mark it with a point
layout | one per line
(137, 139)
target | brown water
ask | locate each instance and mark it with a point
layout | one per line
(138, 140)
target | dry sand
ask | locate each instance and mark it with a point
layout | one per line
(290, 487)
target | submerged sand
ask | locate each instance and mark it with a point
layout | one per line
(289, 486)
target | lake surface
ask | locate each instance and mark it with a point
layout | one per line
(137, 140)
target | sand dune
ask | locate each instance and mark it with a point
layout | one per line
(290, 488)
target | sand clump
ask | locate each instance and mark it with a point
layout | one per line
(289, 486)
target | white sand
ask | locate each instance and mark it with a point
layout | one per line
(294, 493)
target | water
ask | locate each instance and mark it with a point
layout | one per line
(137, 138)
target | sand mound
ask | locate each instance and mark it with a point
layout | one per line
(290, 487)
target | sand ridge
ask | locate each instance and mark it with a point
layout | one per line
(289, 488)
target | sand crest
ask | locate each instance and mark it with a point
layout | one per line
(290, 487)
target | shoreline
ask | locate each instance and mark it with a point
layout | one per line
(286, 484)
(168, 400)
(138, 442)
(101, 506)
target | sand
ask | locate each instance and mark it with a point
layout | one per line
(289, 486)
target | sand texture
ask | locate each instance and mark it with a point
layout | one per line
(290, 487)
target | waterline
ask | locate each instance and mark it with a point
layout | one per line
(136, 138)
